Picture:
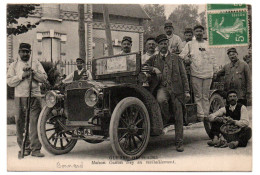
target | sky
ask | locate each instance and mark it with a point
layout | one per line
(170, 7)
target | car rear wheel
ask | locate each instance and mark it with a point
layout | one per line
(52, 135)
(216, 102)
(129, 129)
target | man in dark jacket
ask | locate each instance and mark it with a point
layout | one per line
(173, 85)
(237, 76)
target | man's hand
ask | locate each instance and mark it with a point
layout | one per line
(26, 74)
(187, 96)
(230, 121)
(218, 119)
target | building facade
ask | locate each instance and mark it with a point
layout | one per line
(56, 37)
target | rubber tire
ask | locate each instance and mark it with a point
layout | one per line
(42, 135)
(207, 125)
(120, 107)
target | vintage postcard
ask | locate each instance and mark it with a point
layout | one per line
(129, 87)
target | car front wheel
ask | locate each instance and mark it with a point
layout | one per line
(129, 129)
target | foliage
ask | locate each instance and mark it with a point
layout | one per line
(154, 26)
(184, 16)
(16, 11)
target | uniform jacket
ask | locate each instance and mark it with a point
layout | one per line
(178, 83)
(237, 78)
(14, 78)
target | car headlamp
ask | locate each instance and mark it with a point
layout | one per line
(91, 97)
(51, 99)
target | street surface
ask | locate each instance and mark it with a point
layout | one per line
(160, 155)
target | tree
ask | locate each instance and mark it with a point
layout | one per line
(184, 16)
(154, 26)
(14, 12)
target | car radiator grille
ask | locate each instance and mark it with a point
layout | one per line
(75, 106)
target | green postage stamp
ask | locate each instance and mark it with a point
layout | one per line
(228, 28)
(211, 7)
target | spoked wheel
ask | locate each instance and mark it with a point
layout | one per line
(129, 128)
(51, 132)
(216, 102)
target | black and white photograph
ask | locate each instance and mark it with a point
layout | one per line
(129, 87)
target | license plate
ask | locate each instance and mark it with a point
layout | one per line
(84, 132)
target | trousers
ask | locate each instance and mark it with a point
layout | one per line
(243, 136)
(201, 89)
(33, 142)
(163, 98)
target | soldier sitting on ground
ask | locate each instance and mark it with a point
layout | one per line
(236, 114)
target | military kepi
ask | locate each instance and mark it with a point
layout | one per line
(160, 38)
(188, 30)
(198, 26)
(231, 50)
(25, 46)
(80, 60)
(127, 38)
(168, 23)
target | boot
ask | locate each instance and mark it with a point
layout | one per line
(233, 145)
(180, 147)
(213, 142)
(37, 154)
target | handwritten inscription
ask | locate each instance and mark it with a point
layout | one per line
(69, 165)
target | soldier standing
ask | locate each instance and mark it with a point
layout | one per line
(18, 77)
(202, 67)
(175, 43)
(150, 45)
(237, 77)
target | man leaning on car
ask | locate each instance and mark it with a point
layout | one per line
(173, 85)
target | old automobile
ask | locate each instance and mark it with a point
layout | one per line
(117, 106)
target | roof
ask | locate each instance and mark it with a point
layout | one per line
(127, 10)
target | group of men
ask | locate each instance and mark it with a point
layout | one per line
(165, 56)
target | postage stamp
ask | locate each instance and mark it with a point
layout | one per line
(228, 28)
(212, 7)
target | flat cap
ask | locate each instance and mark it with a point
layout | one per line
(231, 92)
(80, 60)
(231, 50)
(168, 23)
(160, 38)
(25, 46)
(198, 26)
(188, 30)
(127, 38)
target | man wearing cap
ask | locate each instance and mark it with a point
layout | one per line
(202, 67)
(188, 34)
(175, 43)
(233, 113)
(237, 76)
(18, 77)
(150, 45)
(79, 73)
(126, 45)
(173, 86)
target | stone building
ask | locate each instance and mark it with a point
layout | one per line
(56, 37)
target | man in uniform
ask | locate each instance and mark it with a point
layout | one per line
(202, 67)
(233, 113)
(18, 77)
(237, 76)
(79, 73)
(188, 34)
(126, 45)
(150, 45)
(173, 86)
(175, 43)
